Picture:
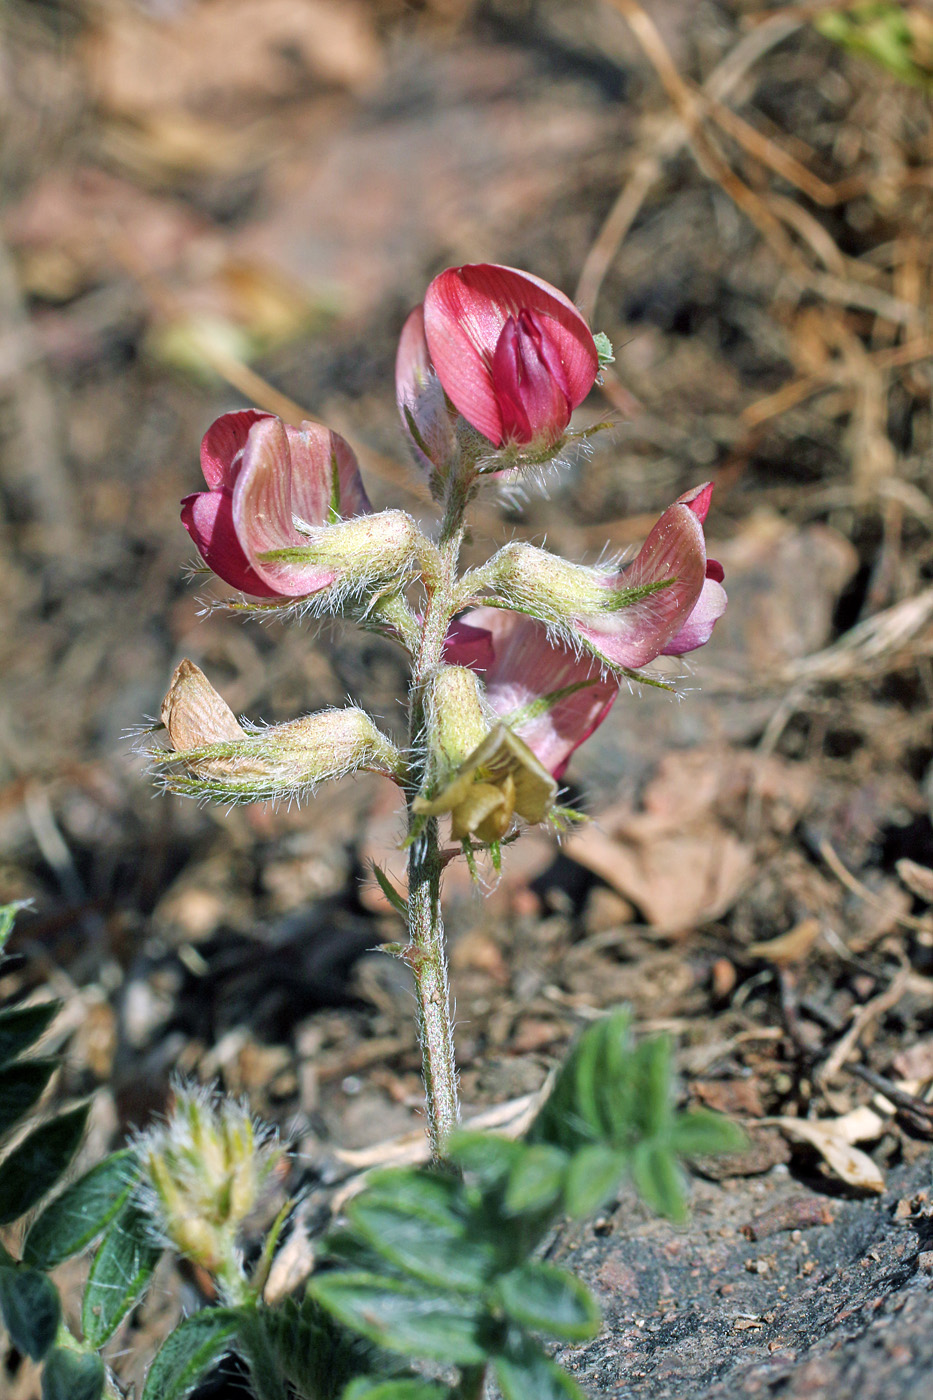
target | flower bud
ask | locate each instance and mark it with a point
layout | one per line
(512, 353)
(458, 720)
(204, 1172)
(501, 779)
(221, 760)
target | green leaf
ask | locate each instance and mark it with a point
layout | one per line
(21, 1086)
(8, 913)
(83, 1210)
(484, 1155)
(31, 1310)
(119, 1275)
(404, 1317)
(536, 1179)
(701, 1132)
(21, 1026)
(652, 1061)
(36, 1164)
(368, 1388)
(196, 1345)
(658, 1180)
(549, 1300)
(398, 902)
(72, 1375)
(525, 1373)
(417, 1222)
(314, 1352)
(592, 1177)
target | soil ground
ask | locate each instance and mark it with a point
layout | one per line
(167, 221)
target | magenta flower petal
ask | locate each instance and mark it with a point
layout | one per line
(422, 404)
(709, 607)
(263, 475)
(673, 554)
(222, 444)
(466, 312)
(525, 669)
(208, 518)
(468, 645)
(698, 500)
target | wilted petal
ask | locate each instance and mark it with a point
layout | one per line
(466, 310)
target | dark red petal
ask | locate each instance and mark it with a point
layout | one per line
(222, 444)
(529, 382)
(698, 500)
(208, 518)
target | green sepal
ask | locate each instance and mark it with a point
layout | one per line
(603, 349)
(21, 1087)
(8, 913)
(31, 1310)
(72, 1375)
(83, 1210)
(120, 1274)
(21, 1026)
(405, 1317)
(33, 1167)
(549, 1300)
(188, 1352)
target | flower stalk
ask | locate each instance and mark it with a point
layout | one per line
(513, 664)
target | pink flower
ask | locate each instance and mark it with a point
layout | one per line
(261, 473)
(546, 693)
(511, 352)
(549, 692)
(687, 595)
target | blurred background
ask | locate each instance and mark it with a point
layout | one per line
(207, 203)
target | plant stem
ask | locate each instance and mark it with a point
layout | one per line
(427, 953)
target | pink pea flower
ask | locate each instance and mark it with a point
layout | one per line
(261, 474)
(548, 694)
(511, 352)
(680, 616)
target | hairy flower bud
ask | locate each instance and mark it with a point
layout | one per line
(204, 1171)
(458, 720)
(219, 759)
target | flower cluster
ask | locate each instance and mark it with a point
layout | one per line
(533, 648)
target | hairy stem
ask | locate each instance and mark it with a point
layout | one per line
(427, 953)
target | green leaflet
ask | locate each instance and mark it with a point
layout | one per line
(549, 1300)
(21, 1026)
(404, 1316)
(71, 1221)
(33, 1167)
(188, 1352)
(31, 1310)
(21, 1086)
(120, 1274)
(72, 1375)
